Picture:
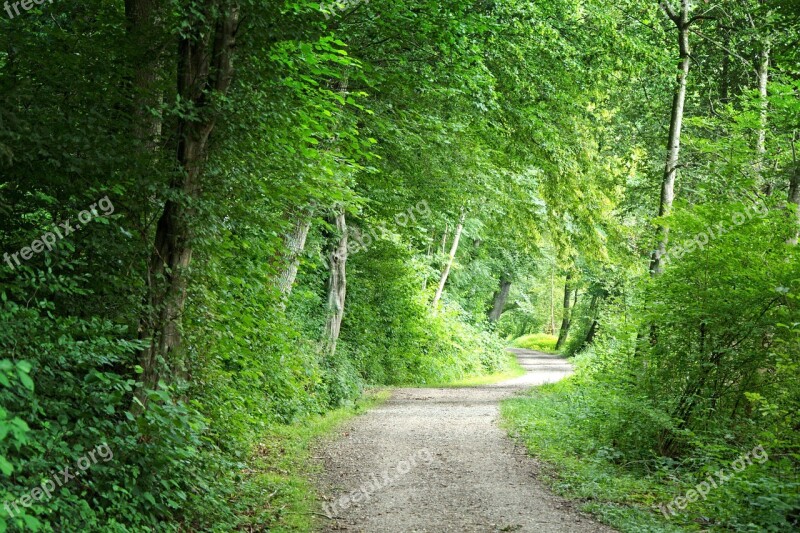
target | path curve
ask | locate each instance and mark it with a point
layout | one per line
(435, 460)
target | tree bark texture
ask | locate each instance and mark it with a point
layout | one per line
(566, 320)
(681, 20)
(337, 285)
(451, 257)
(500, 298)
(205, 67)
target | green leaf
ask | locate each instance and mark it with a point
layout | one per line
(5, 467)
(26, 381)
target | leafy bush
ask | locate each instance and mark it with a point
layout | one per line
(537, 341)
(709, 379)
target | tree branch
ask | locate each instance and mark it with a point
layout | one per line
(664, 4)
(726, 49)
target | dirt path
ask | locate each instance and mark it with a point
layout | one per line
(434, 460)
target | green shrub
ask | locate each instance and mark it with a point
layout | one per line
(537, 341)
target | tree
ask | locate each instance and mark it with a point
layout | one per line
(500, 299)
(451, 257)
(566, 317)
(682, 22)
(337, 283)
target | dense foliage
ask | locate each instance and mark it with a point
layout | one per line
(222, 219)
(684, 369)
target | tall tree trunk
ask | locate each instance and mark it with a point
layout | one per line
(523, 327)
(500, 298)
(590, 334)
(681, 20)
(593, 309)
(337, 285)
(143, 28)
(551, 325)
(794, 197)
(294, 242)
(761, 139)
(566, 320)
(449, 264)
(429, 258)
(725, 81)
(204, 67)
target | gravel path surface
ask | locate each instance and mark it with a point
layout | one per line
(434, 460)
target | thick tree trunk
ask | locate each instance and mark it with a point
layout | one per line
(449, 264)
(593, 309)
(337, 285)
(142, 17)
(590, 334)
(500, 298)
(294, 242)
(566, 320)
(681, 20)
(204, 67)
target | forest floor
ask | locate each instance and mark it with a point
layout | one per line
(435, 460)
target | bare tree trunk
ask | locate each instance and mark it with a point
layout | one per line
(594, 325)
(726, 63)
(566, 320)
(204, 66)
(682, 22)
(294, 242)
(500, 298)
(794, 196)
(429, 258)
(761, 140)
(337, 285)
(551, 325)
(449, 264)
(590, 334)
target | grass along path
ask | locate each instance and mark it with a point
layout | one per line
(277, 490)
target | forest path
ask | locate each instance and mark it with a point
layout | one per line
(435, 460)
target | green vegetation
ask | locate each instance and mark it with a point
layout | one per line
(574, 464)
(276, 489)
(513, 370)
(537, 341)
(220, 219)
(582, 458)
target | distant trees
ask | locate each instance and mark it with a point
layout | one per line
(239, 141)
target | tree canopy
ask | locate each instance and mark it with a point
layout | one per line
(224, 217)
